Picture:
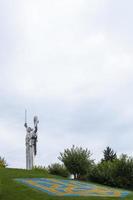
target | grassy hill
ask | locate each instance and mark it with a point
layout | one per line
(11, 190)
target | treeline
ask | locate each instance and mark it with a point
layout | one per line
(111, 170)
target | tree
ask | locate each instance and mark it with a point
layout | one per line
(77, 161)
(104, 172)
(3, 163)
(118, 173)
(109, 155)
(124, 171)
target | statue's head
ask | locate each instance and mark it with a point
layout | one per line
(29, 129)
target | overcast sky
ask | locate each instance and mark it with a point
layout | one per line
(71, 63)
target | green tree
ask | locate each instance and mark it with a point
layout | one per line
(3, 163)
(118, 173)
(77, 161)
(124, 171)
(104, 172)
(109, 155)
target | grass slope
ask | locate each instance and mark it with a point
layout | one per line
(11, 190)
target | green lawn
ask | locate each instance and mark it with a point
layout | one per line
(11, 190)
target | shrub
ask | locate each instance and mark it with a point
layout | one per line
(3, 163)
(104, 173)
(40, 168)
(58, 169)
(114, 173)
(124, 171)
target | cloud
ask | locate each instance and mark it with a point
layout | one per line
(69, 62)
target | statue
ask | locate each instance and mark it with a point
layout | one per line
(31, 142)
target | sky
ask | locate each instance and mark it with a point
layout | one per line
(71, 64)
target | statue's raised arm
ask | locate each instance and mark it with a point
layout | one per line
(25, 125)
(36, 121)
(34, 136)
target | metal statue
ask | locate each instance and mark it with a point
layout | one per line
(31, 142)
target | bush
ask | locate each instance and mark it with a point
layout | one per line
(3, 163)
(58, 169)
(114, 173)
(124, 172)
(40, 168)
(104, 173)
